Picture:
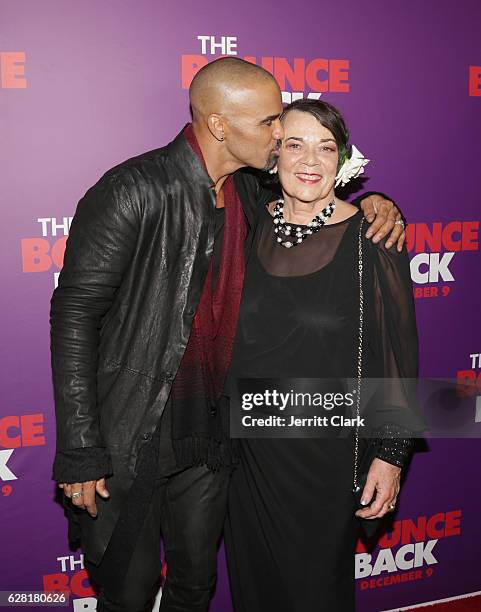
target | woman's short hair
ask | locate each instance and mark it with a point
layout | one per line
(328, 116)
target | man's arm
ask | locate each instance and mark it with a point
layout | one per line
(383, 215)
(99, 248)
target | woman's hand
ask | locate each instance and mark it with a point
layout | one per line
(383, 216)
(383, 480)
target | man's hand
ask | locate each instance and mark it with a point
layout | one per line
(383, 479)
(383, 214)
(86, 500)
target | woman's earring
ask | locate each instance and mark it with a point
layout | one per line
(273, 170)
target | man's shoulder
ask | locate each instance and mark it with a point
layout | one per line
(128, 182)
(142, 167)
(153, 164)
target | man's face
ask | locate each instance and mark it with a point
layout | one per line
(253, 131)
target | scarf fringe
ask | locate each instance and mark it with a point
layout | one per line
(196, 451)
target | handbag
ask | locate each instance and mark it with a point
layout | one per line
(361, 466)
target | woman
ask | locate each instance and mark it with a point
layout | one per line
(292, 525)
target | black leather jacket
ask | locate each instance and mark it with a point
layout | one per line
(134, 267)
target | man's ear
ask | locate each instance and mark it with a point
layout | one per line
(216, 126)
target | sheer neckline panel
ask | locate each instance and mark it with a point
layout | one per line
(313, 255)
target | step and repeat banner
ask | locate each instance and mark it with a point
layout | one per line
(85, 85)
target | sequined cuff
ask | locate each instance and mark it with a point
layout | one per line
(393, 447)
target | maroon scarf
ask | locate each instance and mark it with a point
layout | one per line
(207, 357)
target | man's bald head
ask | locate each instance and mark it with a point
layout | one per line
(223, 84)
(236, 107)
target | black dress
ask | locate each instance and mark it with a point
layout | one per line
(291, 529)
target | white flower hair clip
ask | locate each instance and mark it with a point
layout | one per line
(352, 167)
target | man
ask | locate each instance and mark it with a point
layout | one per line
(142, 327)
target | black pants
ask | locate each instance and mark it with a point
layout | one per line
(187, 512)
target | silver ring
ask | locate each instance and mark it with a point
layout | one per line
(399, 222)
(77, 494)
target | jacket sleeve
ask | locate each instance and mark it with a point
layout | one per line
(81, 464)
(397, 415)
(99, 248)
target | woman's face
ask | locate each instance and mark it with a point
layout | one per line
(308, 158)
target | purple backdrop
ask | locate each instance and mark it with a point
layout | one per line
(85, 85)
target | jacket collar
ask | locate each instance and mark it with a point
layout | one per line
(191, 138)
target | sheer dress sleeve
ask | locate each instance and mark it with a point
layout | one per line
(394, 338)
